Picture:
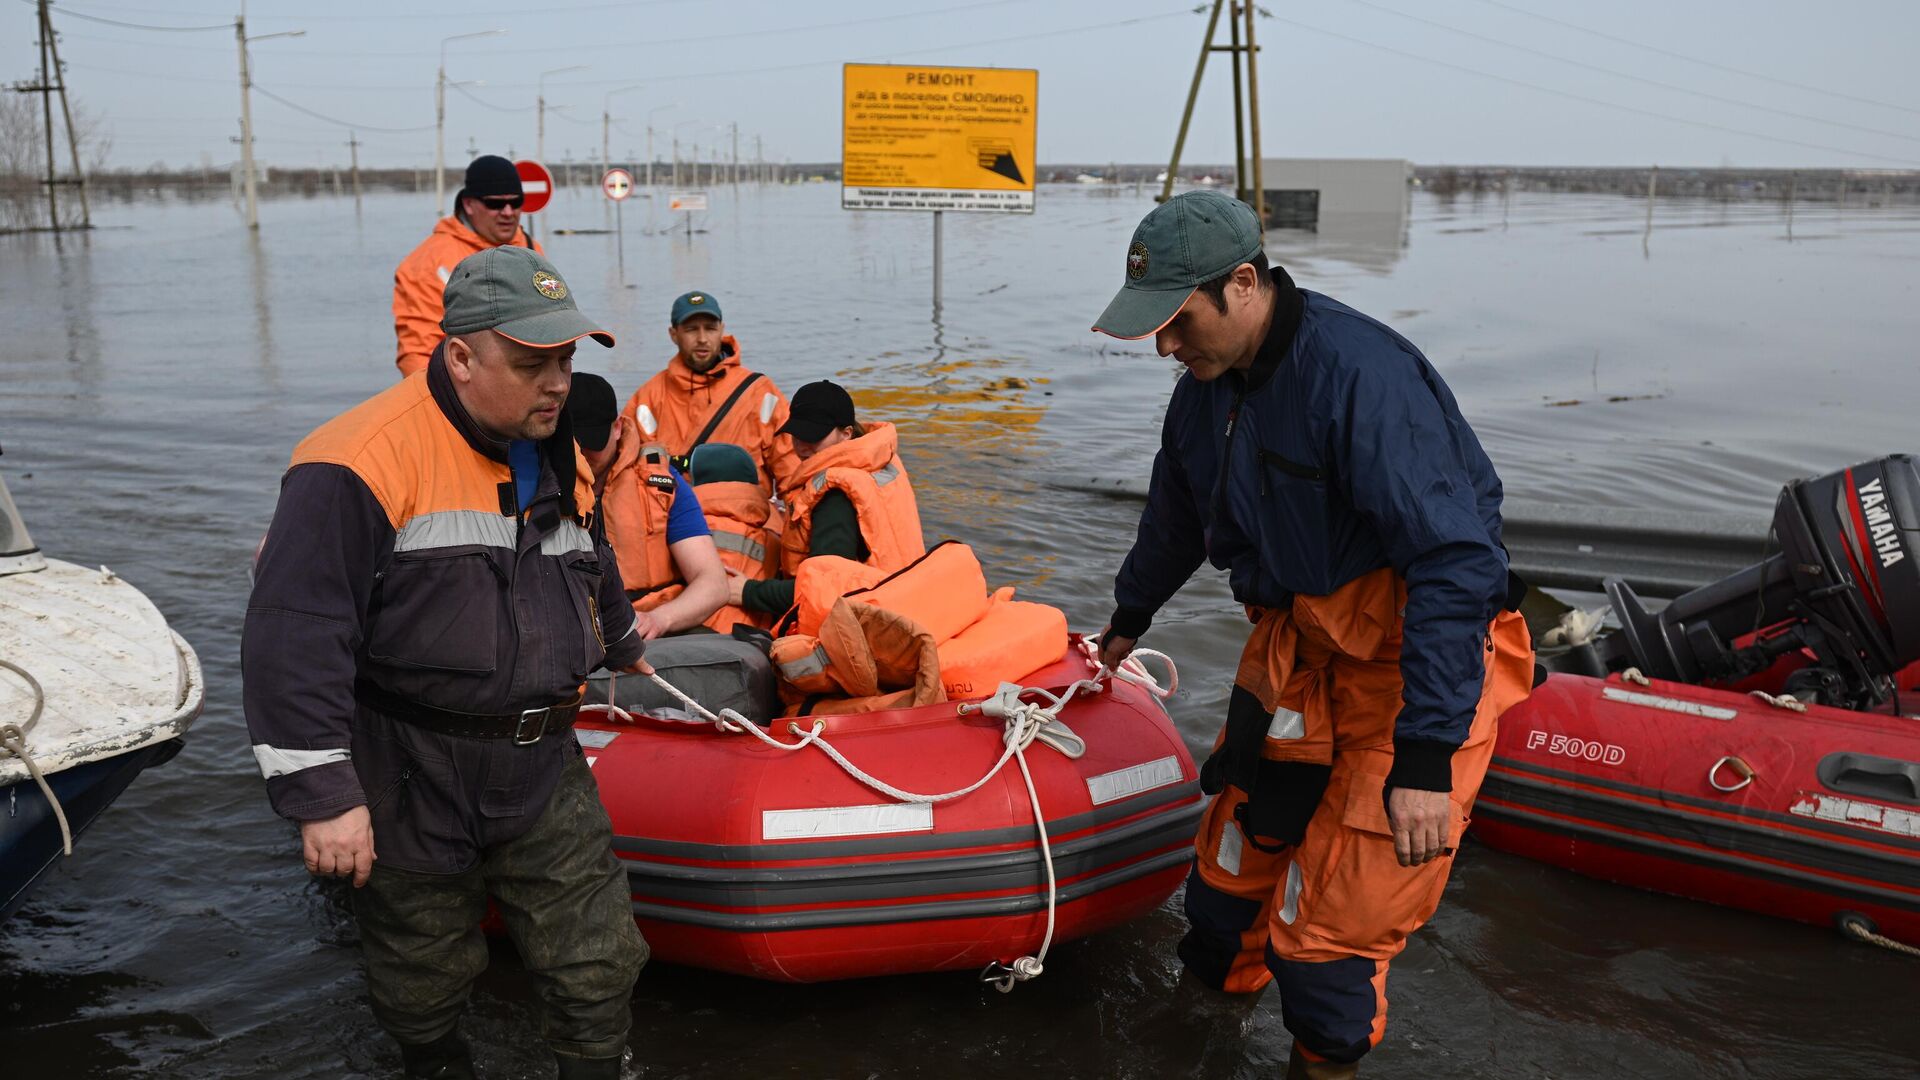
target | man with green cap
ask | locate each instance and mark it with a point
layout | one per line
(427, 605)
(1318, 458)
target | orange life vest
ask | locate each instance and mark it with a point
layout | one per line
(634, 506)
(869, 471)
(746, 530)
(936, 611)
(675, 405)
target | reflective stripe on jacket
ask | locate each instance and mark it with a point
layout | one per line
(1349, 456)
(397, 558)
(419, 288)
(675, 405)
(869, 472)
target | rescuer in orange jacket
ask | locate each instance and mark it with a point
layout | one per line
(1319, 459)
(651, 517)
(706, 394)
(486, 214)
(850, 497)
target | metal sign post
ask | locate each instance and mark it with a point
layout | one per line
(617, 184)
(938, 138)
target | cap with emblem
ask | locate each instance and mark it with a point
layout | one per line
(516, 293)
(1184, 241)
(694, 303)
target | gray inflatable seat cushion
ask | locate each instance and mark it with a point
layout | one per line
(717, 671)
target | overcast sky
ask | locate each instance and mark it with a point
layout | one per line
(1746, 82)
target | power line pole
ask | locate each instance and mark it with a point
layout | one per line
(353, 147)
(734, 176)
(246, 123)
(1259, 201)
(46, 108)
(1193, 94)
(1239, 121)
(58, 80)
(759, 163)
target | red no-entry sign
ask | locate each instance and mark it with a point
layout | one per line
(537, 182)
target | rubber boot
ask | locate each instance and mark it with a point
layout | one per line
(445, 1058)
(579, 1068)
(1300, 1068)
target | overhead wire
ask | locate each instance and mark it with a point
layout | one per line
(1697, 60)
(299, 108)
(70, 13)
(1569, 95)
(1628, 75)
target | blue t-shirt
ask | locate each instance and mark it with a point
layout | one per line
(685, 519)
(524, 457)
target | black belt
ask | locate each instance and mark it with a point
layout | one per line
(525, 728)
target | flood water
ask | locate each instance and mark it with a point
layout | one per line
(155, 374)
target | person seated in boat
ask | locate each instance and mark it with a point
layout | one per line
(705, 394)
(849, 496)
(745, 520)
(650, 516)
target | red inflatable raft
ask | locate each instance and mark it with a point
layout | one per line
(1716, 795)
(781, 865)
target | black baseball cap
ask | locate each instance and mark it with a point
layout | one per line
(591, 409)
(816, 409)
(490, 175)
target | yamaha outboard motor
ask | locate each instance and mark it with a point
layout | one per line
(1845, 586)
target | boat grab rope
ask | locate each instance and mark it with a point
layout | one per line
(13, 739)
(1025, 722)
(1859, 928)
(1781, 701)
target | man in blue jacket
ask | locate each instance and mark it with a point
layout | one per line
(1318, 458)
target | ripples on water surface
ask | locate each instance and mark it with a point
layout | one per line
(157, 373)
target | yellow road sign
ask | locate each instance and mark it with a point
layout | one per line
(916, 137)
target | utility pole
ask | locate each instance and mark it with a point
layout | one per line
(759, 163)
(1253, 118)
(735, 175)
(353, 147)
(540, 145)
(246, 112)
(440, 120)
(1248, 180)
(46, 108)
(694, 158)
(57, 77)
(1193, 94)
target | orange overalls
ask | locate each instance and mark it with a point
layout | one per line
(1299, 884)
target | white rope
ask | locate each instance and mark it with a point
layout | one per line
(1859, 929)
(1025, 722)
(1632, 675)
(13, 739)
(1781, 701)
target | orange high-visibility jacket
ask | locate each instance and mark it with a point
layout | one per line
(639, 493)
(867, 639)
(869, 471)
(674, 406)
(420, 282)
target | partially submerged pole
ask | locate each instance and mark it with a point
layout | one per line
(1193, 94)
(1259, 201)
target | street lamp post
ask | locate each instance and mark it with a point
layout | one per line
(440, 119)
(606, 122)
(246, 114)
(650, 112)
(540, 141)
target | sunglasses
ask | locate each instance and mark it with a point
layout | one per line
(501, 202)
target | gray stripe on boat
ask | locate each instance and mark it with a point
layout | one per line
(906, 844)
(898, 913)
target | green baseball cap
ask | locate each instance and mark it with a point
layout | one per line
(516, 293)
(694, 303)
(1184, 241)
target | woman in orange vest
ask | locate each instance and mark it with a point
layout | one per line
(851, 497)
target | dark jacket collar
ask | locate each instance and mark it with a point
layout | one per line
(556, 450)
(1287, 310)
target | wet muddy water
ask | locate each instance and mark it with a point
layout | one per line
(154, 376)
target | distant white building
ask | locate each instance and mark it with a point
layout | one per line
(1367, 194)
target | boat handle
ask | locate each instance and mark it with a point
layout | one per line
(1739, 768)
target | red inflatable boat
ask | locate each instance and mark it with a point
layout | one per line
(1715, 795)
(1755, 743)
(779, 864)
